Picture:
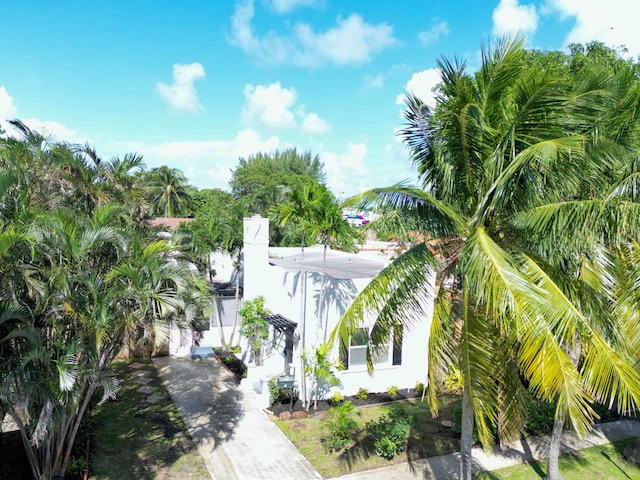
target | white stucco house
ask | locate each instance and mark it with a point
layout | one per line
(297, 323)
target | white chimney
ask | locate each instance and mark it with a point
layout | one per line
(256, 255)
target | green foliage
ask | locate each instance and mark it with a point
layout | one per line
(419, 387)
(264, 180)
(253, 326)
(336, 398)
(321, 369)
(341, 427)
(540, 417)
(277, 395)
(390, 433)
(392, 390)
(85, 277)
(362, 393)
(236, 349)
(454, 382)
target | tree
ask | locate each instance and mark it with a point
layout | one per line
(167, 190)
(78, 281)
(516, 242)
(264, 180)
(335, 232)
(253, 325)
(302, 211)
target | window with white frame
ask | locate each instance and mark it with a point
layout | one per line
(355, 356)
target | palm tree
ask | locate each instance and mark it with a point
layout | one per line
(167, 188)
(301, 210)
(517, 249)
(333, 231)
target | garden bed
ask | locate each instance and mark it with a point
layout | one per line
(231, 362)
(324, 405)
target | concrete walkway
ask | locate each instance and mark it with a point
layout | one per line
(525, 450)
(234, 436)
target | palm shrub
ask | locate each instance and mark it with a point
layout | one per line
(341, 427)
(321, 370)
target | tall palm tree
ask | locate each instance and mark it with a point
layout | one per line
(517, 249)
(301, 210)
(333, 231)
(167, 188)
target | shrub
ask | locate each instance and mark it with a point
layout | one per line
(390, 434)
(236, 349)
(392, 390)
(540, 417)
(419, 388)
(341, 427)
(336, 398)
(277, 395)
(362, 394)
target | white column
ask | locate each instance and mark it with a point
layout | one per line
(256, 256)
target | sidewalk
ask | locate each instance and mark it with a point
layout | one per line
(525, 450)
(234, 436)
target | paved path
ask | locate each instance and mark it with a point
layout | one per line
(526, 450)
(234, 436)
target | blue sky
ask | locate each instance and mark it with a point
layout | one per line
(197, 84)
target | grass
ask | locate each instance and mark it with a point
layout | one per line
(427, 438)
(137, 439)
(604, 462)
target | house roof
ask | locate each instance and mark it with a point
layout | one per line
(280, 323)
(339, 265)
(172, 223)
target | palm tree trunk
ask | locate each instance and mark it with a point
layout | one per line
(235, 315)
(321, 319)
(303, 316)
(216, 313)
(466, 436)
(553, 471)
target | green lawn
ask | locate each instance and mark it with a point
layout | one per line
(604, 462)
(137, 439)
(428, 438)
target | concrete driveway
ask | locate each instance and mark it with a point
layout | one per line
(234, 435)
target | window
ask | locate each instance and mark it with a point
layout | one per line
(355, 356)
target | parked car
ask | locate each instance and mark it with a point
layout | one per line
(357, 220)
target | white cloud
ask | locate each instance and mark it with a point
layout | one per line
(269, 105)
(313, 124)
(285, 6)
(342, 168)
(182, 95)
(432, 35)
(422, 84)
(206, 163)
(7, 109)
(371, 82)
(509, 17)
(613, 22)
(351, 41)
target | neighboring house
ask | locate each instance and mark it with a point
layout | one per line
(275, 273)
